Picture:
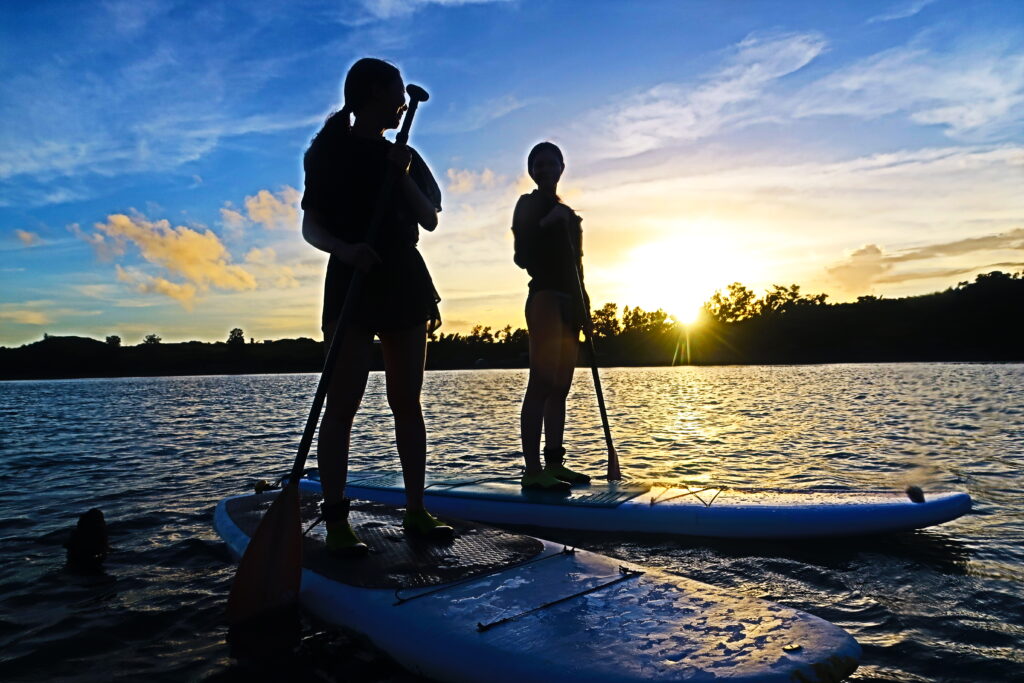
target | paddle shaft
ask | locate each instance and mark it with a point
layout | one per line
(614, 474)
(352, 298)
(270, 571)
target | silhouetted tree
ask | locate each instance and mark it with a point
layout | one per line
(783, 299)
(151, 339)
(739, 303)
(114, 340)
(519, 337)
(637, 320)
(481, 335)
(606, 320)
(236, 337)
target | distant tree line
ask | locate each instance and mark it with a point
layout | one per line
(974, 321)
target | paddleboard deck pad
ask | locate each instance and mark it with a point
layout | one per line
(506, 607)
(707, 511)
(396, 561)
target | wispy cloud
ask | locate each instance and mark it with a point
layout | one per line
(131, 17)
(479, 115)
(903, 10)
(870, 265)
(25, 317)
(40, 312)
(182, 84)
(95, 291)
(1014, 239)
(905, 189)
(673, 112)
(972, 91)
(945, 273)
(968, 92)
(390, 9)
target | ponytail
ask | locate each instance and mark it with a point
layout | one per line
(364, 75)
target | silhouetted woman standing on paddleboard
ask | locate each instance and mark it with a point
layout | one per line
(345, 165)
(548, 244)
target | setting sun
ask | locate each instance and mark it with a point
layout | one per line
(679, 274)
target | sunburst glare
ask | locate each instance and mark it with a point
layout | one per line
(680, 273)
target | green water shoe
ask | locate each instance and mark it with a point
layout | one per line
(343, 542)
(421, 523)
(560, 471)
(544, 481)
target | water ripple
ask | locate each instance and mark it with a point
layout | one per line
(157, 453)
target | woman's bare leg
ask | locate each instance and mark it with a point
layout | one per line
(404, 357)
(344, 393)
(543, 318)
(554, 406)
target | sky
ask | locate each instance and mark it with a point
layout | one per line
(151, 151)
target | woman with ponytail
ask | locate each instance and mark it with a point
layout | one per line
(548, 244)
(345, 166)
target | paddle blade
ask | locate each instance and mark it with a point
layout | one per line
(270, 570)
(614, 474)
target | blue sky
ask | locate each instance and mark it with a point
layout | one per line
(151, 151)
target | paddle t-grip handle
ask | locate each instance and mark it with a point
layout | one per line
(416, 95)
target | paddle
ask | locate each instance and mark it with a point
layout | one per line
(588, 331)
(270, 571)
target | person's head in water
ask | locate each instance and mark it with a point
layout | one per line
(87, 547)
(545, 165)
(375, 94)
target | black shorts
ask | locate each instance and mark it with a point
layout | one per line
(396, 294)
(569, 308)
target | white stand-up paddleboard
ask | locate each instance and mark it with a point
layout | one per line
(497, 606)
(691, 511)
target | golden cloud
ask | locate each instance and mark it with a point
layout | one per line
(871, 265)
(465, 181)
(94, 291)
(29, 239)
(863, 267)
(185, 294)
(525, 184)
(264, 261)
(232, 219)
(23, 317)
(97, 240)
(274, 211)
(200, 257)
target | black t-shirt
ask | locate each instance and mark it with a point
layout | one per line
(544, 251)
(344, 174)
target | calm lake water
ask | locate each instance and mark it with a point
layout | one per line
(156, 454)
